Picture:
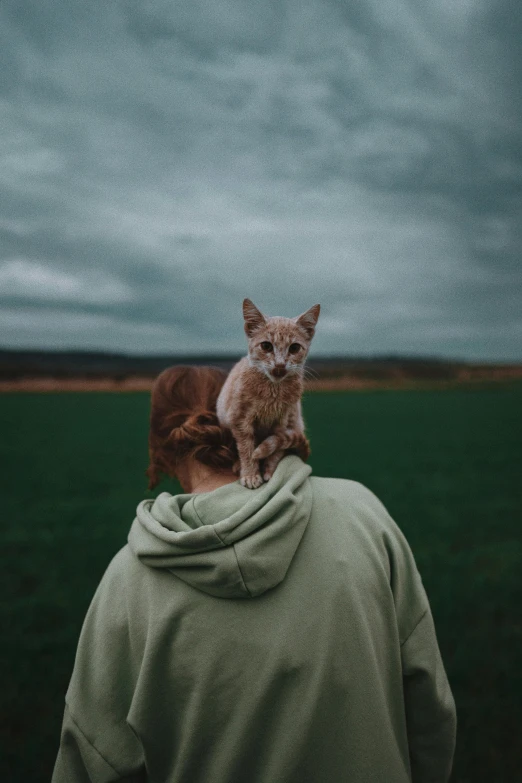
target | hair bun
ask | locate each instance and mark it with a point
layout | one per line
(194, 424)
(202, 436)
(184, 423)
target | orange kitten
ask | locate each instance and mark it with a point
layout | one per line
(261, 398)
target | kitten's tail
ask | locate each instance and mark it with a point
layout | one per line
(284, 440)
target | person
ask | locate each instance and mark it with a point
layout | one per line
(274, 635)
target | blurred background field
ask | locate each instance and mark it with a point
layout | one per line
(447, 464)
(163, 160)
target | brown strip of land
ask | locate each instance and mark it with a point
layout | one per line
(343, 383)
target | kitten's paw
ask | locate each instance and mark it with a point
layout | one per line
(251, 481)
(270, 467)
(271, 464)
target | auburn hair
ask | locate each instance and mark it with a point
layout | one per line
(183, 421)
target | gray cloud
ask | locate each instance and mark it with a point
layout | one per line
(163, 160)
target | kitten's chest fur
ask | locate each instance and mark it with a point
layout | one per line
(270, 404)
(273, 399)
(250, 395)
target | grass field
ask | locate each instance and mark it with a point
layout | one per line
(447, 464)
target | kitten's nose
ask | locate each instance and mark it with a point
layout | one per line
(279, 371)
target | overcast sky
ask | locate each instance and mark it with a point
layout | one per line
(161, 160)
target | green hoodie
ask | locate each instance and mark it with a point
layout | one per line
(275, 635)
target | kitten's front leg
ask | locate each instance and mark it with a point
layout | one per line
(290, 435)
(274, 447)
(271, 463)
(249, 474)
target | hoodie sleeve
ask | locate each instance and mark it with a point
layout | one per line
(79, 761)
(430, 708)
(97, 743)
(429, 705)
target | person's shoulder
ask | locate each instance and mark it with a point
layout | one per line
(347, 489)
(353, 500)
(122, 561)
(124, 568)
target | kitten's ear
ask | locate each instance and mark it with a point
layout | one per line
(254, 318)
(308, 320)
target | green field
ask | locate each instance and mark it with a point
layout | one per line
(447, 464)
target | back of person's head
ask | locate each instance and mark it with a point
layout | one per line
(184, 424)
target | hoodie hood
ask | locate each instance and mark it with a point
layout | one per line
(232, 542)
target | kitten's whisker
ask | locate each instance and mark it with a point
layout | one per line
(310, 374)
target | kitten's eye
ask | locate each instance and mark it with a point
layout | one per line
(294, 348)
(266, 346)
